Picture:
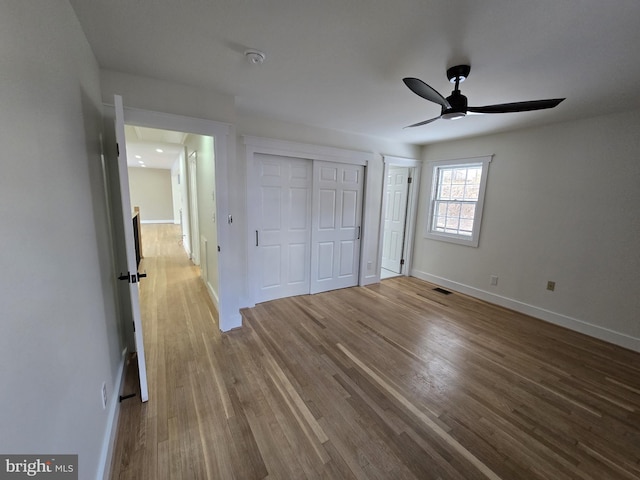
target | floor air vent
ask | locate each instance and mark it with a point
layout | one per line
(442, 290)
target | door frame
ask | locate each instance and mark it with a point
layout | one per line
(224, 148)
(412, 207)
(194, 223)
(269, 146)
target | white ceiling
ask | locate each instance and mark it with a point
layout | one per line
(339, 64)
(143, 144)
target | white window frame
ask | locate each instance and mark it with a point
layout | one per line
(435, 167)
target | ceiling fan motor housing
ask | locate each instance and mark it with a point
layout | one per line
(458, 104)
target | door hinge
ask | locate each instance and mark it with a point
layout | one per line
(402, 261)
(117, 149)
(409, 180)
(134, 326)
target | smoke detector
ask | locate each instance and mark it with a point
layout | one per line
(255, 57)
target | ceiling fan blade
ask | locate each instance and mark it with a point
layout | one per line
(517, 106)
(424, 122)
(420, 88)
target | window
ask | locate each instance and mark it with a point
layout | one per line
(457, 197)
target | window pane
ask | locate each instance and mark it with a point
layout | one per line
(468, 210)
(460, 176)
(466, 226)
(471, 192)
(445, 192)
(457, 192)
(452, 224)
(453, 210)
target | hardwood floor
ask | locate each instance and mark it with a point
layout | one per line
(391, 381)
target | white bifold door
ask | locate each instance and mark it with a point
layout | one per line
(308, 226)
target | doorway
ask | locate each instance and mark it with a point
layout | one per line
(226, 302)
(399, 201)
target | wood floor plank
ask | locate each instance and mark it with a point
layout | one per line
(391, 381)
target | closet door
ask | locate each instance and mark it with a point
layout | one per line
(283, 234)
(336, 230)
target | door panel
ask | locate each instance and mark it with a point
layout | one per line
(283, 234)
(130, 255)
(337, 212)
(395, 218)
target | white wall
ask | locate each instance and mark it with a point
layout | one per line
(207, 221)
(59, 338)
(562, 204)
(151, 190)
(176, 191)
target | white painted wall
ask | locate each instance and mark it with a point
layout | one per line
(562, 204)
(207, 219)
(184, 202)
(176, 193)
(152, 191)
(59, 337)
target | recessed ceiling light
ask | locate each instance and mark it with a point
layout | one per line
(138, 156)
(159, 150)
(143, 166)
(140, 162)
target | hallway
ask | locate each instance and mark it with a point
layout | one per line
(164, 438)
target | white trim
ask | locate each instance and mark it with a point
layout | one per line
(212, 294)
(144, 222)
(577, 325)
(179, 123)
(286, 148)
(108, 442)
(412, 207)
(474, 240)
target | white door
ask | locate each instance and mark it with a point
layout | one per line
(395, 218)
(336, 231)
(283, 232)
(192, 171)
(132, 267)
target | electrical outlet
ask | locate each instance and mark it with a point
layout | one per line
(551, 286)
(104, 395)
(494, 279)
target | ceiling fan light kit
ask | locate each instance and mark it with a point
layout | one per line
(455, 105)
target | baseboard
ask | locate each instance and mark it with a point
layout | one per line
(559, 319)
(108, 443)
(213, 295)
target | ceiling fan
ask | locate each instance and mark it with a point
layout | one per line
(455, 105)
